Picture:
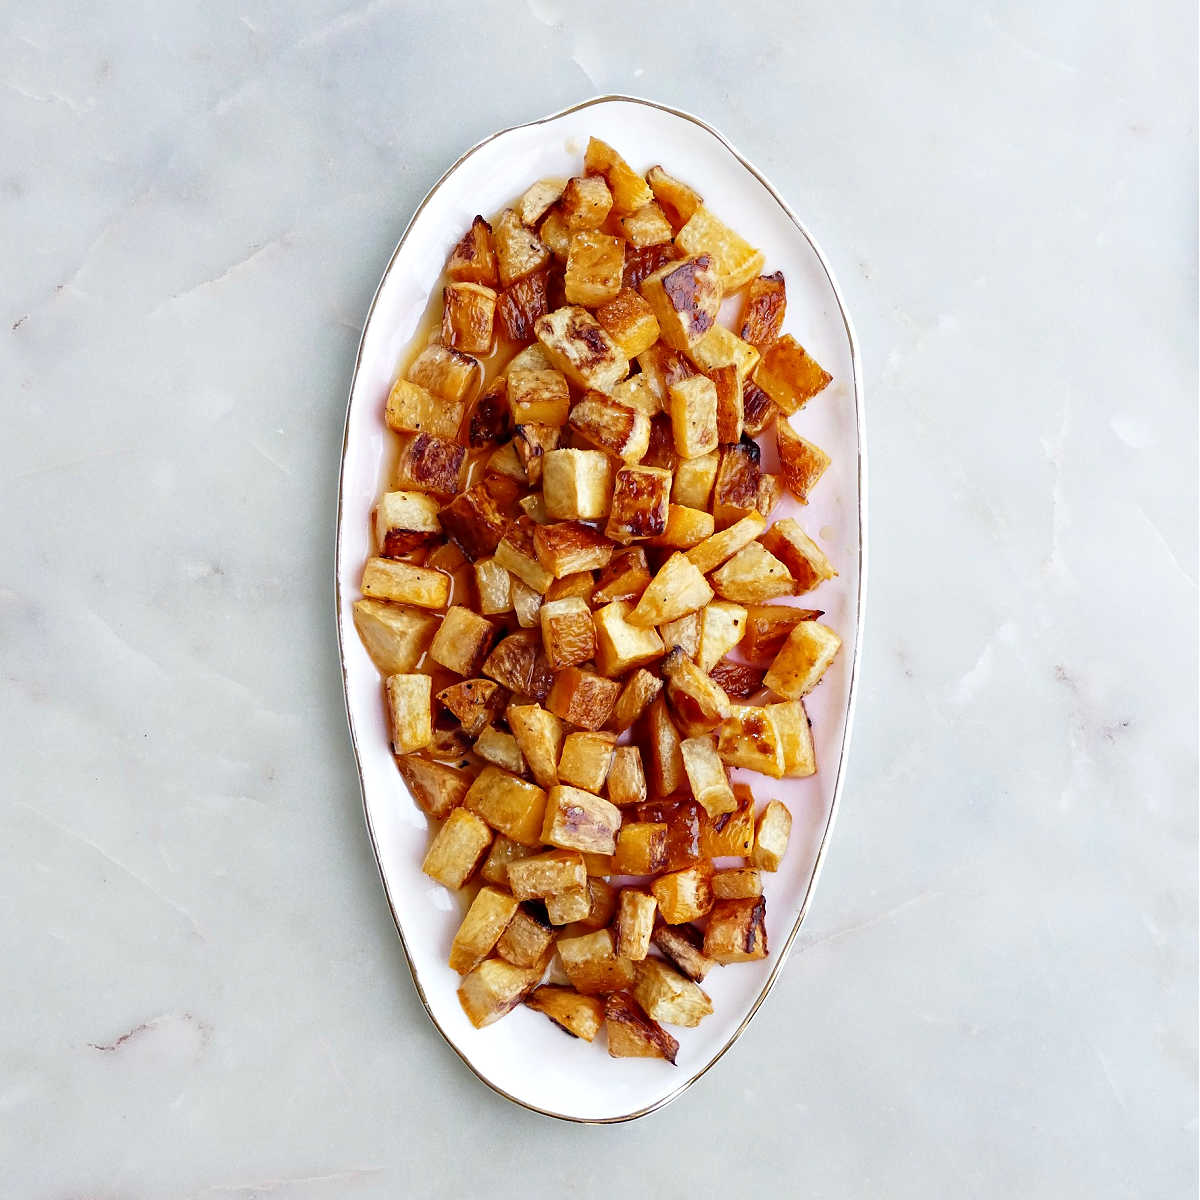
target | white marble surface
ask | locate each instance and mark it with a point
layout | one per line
(995, 993)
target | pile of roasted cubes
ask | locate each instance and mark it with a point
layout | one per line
(572, 600)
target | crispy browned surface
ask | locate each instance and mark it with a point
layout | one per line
(475, 702)
(682, 944)
(473, 260)
(436, 787)
(757, 410)
(632, 1034)
(476, 519)
(800, 462)
(521, 304)
(739, 681)
(567, 547)
(762, 315)
(684, 822)
(430, 464)
(737, 930)
(582, 697)
(643, 261)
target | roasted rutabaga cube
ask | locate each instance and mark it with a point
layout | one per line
(739, 479)
(660, 748)
(636, 696)
(749, 738)
(578, 820)
(804, 657)
(518, 250)
(647, 227)
(486, 920)
(568, 547)
(517, 662)
(678, 201)
(410, 704)
(737, 931)
(529, 938)
(565, 908)
(521, 304)
(641, 848)
(429, 464)
(538, 395)
(731, 834)
(694, 481)
(568, 634)
(493, 585)
(517, 554)
(586, 759)
(542, 875)
(767, 628)
(436, 787)
(537, 199)
(721, 347)
(725, 543)
(578, 345)
(803, 558)
(695, 697)
(577, 484)
(686, 527)
(457, 848)
(595, 264)
(462, 642)
(495, 988)
(628, 189)
(413, 409)
(738, 680)
(640, 503)
(739, 883)
(626, 777)
(684, 895)
(448, 374)
(623, 432)
(621, 646)
(630, 322)
(473, 260)
(404, 583)
(693, 408)
(586, 202)
(637, 392)
(602, 896)
(735, 259)
(394, 636)
(752, 576)
(475, 702)
(632, 1034)
(795, 737)
(801, 463)
(682, 945)
(763, 312)
(634, 923)
(508, 804)
(583, 698)
(722, 625)
(476, 520)
(685, 297)
(666, 995)
(540, 735)
(404, 521)
(580, 1016)
(706, 775)
(468, 317)
(789, 376)
(592, 963)
(531, 442)
(678, 588)
(501, 749)
(771, 836)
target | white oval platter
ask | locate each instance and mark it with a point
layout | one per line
(525, 1057)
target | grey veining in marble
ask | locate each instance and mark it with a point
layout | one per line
(203, 995)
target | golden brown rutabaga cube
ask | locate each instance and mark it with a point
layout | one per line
(660, 749)
(647, 227)
(740, 883)
(404, 521)
(534, 507)
(730, 834)
(410, 705)
(625, 578)
(595, 264)
(493, 585)
(632, 1034)
(767, 628)
(620, 646)
(758, 410)
(429, 464)
(626, 779)
(642, 261)
(592, 964)
(412, 409)
(586, 202)
(602, 897)
(494, 988)
(473, 259)
(682, 634)
(540, 735)
(662, 452)
(769, 491)
(404, 583)
(463, 641)
(569, 547)
(628, 189)
(641, 848)
(579, 346)
(739, 479)
(636, 696)
(529, 938)
(678, 588)
(531, 442)
(435, 787)
(666, 995)
(516, 554)
(578, 820)
(694, 695)
(485, 921)
(693, 409)
(494, 870)
(580, 1016)
(537, 199)
(475, 702)
(568, 635)
(579, 583)
(518, 249)
(740, 681)
(476, 520)
(752, 576)
(634, 923)
(457, 848)
(795, 737)
(448, 374)
(520, 305)
(640, 502)
(468, 317)
(526, 604)
(706, 775)
(730, 416)
(799, 553)
(763, 312)
(510, 805)
(554, 234)
(682, 945)
(737, 931)
(583, 698)
(685, 297)
(662, 367)
(801, 463)
(735, 259)
(789, 376)
(565, 908)
(539, 396)
(629, 321)
(684, 895)
(623, 432)
(514, 661)
(394, 636)
(722, 625)
(749, 738)
(542, 875)
(678, 200)
(636, 393)
(686, 527)
(585, 760)
(694, 481)
(577, 484)
(500, 749)
(721, 347)
(771, 836)
(803, 658)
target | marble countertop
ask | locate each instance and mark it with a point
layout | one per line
(204, 996)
